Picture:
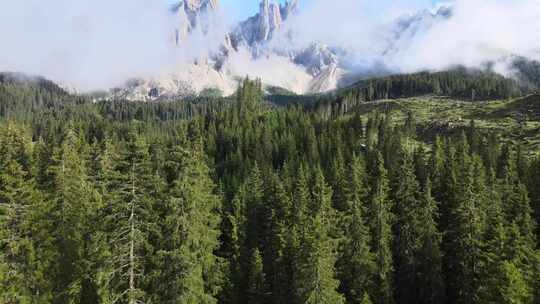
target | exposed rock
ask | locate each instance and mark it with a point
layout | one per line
(262, 27)
(261, 39)
(185, 82)
(409, 26)
(316, 58)
(290, 7)
(193, 15)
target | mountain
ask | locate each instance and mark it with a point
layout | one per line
(267, 45)
(193, 15)
(244, 50)
(36, 83)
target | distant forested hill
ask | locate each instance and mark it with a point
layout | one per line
(463, 84)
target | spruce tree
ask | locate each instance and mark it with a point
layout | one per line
(429, 254)
(132, 190)
(380, 224)
(315, 280)
(356, 264)
(190, 270)
(465, 233)
(74, 206)
(406, 230)
(256, 289)
(277, 254)
(20, 277)
(245, 232)
(366, 299)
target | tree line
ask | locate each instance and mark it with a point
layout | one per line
(459, 83)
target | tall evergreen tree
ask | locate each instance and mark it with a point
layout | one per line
(190, 270)
(315, 268)
(245, 232)
(380, 224)
(465, 233)
(74, 209)
(277, 254)
(131, 194)
(406, 230)
(429, 254)
(20, 277)
(256, 289)
(356, 264)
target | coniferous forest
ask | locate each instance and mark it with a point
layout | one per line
(236, 201)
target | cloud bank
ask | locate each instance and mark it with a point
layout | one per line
(89, 43)
(476, 32)
(97, 44)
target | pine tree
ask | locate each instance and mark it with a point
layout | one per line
(190, 270)
(19, 267)
(255, 291)
(356, 263)
(521, 225)
(406, 231)
(74, 208)
(429, 254)
(514, 287)
(366, 299)
(338, 182)
(315, 268)
(245, 232)
(380, 224)
(465, 233)
(420, 166)
(494, 250)
(131, 192)
(277, 254)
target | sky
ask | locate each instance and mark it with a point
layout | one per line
(242, 9)
(96, 44)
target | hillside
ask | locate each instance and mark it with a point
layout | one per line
(161, 195)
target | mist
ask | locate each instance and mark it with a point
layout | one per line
(99, 44)
(89, 44)
(477, 32)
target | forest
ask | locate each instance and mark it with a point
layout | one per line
(239, 201)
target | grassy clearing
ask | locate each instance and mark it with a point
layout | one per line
(516, 120)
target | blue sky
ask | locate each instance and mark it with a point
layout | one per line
(241, 9)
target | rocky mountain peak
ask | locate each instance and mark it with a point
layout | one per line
(290, 7)
(193, 14)
(263, 26)
(269, 19)
(195, 5)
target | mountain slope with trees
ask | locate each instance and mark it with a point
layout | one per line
(239, 201)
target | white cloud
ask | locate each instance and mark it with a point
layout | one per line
(274, 70)
(100, 43)
(478, 31)
(90, 43)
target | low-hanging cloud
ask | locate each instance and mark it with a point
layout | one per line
(477, 32)
(97, 44)
(91, 44)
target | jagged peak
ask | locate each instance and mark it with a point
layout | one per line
(195, 5)
(193, 15)
(290, 7)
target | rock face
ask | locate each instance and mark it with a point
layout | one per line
(262, 27)
(248, 40)
(189, 82)
(193, 15)
(289, 8)
(261, 42)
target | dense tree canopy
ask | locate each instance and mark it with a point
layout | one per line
(233, 200)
